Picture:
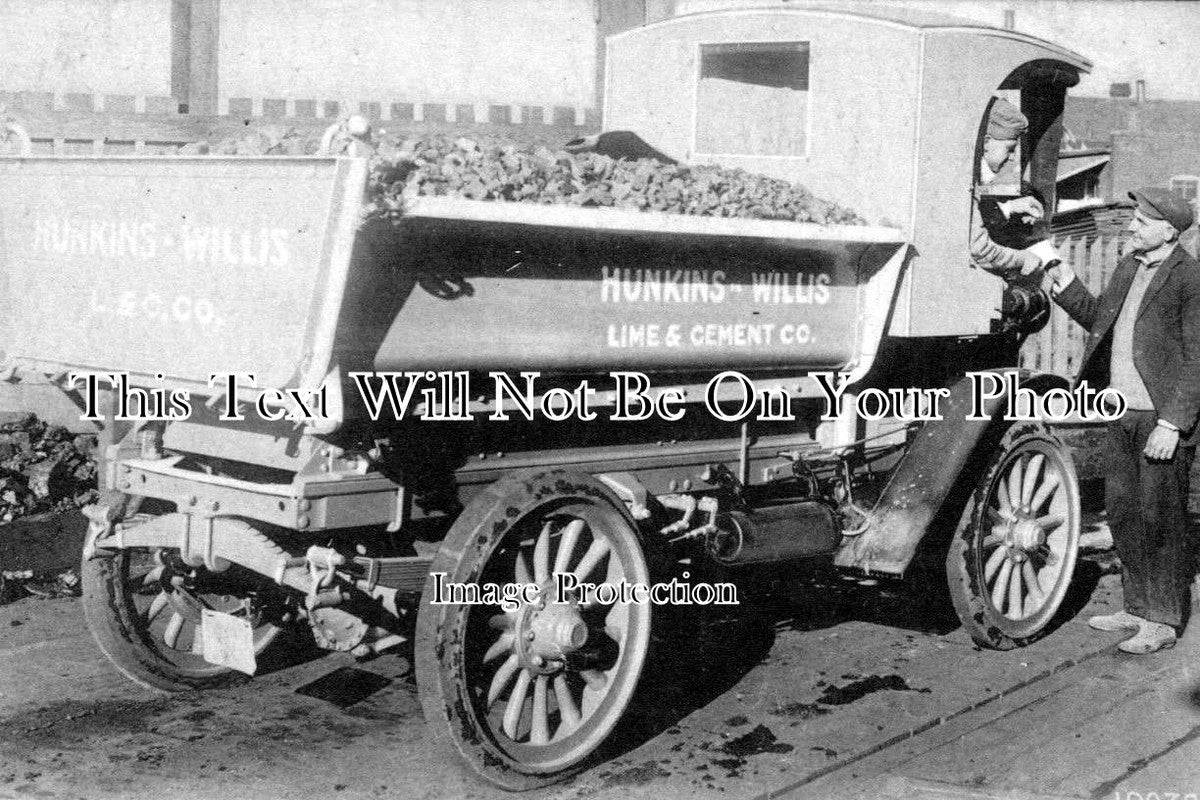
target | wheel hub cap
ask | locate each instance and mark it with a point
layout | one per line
(547, 632)
(1024, 535)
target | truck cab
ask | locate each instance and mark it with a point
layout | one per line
(882, 110)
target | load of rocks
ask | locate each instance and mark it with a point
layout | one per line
(490, 169)
(269, 140)
(613, 169)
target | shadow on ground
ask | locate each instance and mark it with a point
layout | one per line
(696, 655)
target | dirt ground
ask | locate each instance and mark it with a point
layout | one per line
(836, 693)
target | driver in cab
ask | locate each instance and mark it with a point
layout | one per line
(1005, 126)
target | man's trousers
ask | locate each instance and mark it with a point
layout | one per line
(1147, 511)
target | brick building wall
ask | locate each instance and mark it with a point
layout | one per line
(1152, 140)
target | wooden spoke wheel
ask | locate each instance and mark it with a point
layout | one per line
(1013, 555)
(526, 694)
(143, 608)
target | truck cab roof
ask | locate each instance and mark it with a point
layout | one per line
(917, 18)
(937, 22)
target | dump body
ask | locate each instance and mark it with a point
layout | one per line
(505, 287)
(194, 267)
(178, 266)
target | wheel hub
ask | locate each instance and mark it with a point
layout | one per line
(1024, 534)
(547, 632)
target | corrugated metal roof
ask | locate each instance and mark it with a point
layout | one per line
(1068, 165)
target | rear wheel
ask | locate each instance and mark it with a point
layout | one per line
(143, 608)
(526, 695)
(1013, 555)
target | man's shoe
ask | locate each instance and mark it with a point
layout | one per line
(1120, 621)
(1151, 637)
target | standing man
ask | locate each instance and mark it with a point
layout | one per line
(1145, 342)
(1005, 126)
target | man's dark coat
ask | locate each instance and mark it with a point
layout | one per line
(1166, 335)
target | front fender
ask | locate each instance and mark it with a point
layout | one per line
(930, 468)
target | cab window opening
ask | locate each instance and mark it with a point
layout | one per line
(752, 99)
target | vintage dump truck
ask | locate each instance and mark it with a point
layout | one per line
(318, 510)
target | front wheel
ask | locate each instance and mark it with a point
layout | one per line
(1013, 555)
(526, 694)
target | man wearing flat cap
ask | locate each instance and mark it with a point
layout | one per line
(1005, 126)
(1145, 342)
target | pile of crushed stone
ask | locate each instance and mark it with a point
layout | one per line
(44, 468)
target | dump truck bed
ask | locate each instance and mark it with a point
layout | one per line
(187, 267)
(178, 266)
(503, 286)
